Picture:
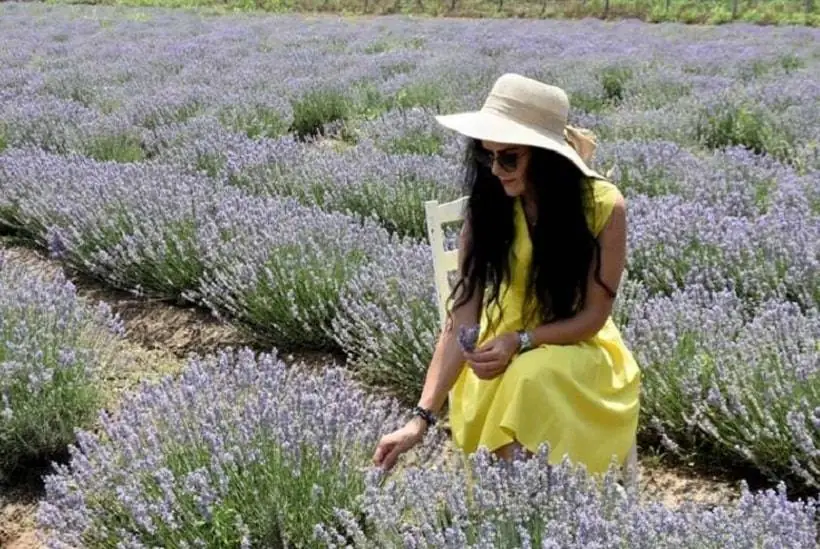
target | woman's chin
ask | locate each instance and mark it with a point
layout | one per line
(513, 190)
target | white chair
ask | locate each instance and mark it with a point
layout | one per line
(446, 261)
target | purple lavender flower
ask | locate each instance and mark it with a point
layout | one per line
(468, 336)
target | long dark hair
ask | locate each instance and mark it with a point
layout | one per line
(564, 247)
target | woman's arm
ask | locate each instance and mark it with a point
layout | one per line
(441, 375)
(448, 357)
(599, 303)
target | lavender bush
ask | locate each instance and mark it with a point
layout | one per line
(675, 243)
(52, 350)
(278, 267)
(739, 182)
(529, 504)
(273, 265)
(363, 181)
(66, 126)
(747, 382)
(240, 451)
(368, 182)
(133, 225)
(408, 131)
(388, 322)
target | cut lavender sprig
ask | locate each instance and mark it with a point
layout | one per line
(468, 337)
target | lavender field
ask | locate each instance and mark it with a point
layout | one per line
(273, 169)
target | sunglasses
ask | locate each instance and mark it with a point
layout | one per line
(508, 160)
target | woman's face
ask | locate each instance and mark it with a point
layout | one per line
(508, 163)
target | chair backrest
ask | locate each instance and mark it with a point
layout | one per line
(444, 261)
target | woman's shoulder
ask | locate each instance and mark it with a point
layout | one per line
(605, 195)
(605, 190)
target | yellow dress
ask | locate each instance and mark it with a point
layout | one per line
(582, 399)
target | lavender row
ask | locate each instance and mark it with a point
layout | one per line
(529, 505)
(53, 349)
(63, 124)
(243, 451)
(737, 219)
(730, 217)
(155, 229)
(744, 378)
(705, 88)
(762, 248)
(747, 382)
(401, 149)
(273, 265)
(239, 451)
(400, 158)
(675, 243)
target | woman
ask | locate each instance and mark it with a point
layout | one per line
(542, 251)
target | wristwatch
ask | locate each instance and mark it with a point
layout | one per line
(524, 341)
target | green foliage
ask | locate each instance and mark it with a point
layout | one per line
(613, 81)
(280, 511)
(210, 163)
(746, 126)
(766, 12)
(43, 421)
(317, 108)
(416, 142)
(259, 121)
(116, 148)
(422, 94)
(370, 101)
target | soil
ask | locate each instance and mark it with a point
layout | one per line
(17, 508)
(159, 336)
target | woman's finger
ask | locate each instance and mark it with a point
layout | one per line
(392, 457)
(381, 450)
(377, 456)
(487, 346)
(484, 357)
(484, 369)
(489, 370)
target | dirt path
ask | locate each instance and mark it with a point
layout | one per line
(158, 338)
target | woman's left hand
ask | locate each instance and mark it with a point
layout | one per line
(492, 358)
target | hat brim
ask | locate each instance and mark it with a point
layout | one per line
(491, 127)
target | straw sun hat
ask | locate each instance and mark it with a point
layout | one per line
(523, 111)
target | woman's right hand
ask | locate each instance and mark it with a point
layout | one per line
(394, 444)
